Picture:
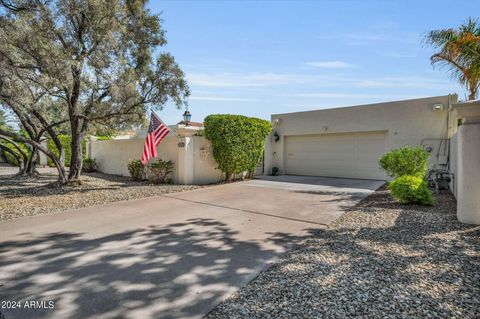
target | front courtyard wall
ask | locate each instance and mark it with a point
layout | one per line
(205, 167)
(112, 156)
(191, 155)
(410, 122)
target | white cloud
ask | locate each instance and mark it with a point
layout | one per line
(403, 82)
(244, 80)
(232, 81)
(331, 64)
(328, 95)
(219, 99)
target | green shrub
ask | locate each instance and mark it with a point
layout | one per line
(159, 171)
(405, 161)
(136, 170)
(104, 137)
(89, 165)
(411, 189)
(66, 141)
(238, 141)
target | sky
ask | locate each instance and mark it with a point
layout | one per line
(258, 58)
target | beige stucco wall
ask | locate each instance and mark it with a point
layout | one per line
(454, 164)
(205, 169)
(195, 158)
(112, 156)
(469, 174)
(406, 122)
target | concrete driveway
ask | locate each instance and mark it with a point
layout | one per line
(172, 256)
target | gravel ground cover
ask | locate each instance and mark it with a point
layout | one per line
(379, 260)
(21, 196)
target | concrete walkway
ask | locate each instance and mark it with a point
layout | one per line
(173, 256)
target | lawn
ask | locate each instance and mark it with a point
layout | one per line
(379, 260)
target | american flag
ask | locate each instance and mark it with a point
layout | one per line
(157, 130)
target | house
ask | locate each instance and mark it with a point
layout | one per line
(348, 141)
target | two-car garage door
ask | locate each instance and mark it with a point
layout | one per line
(338, 155)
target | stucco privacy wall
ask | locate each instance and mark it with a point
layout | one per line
(468, 162)
(112, 156)
(194, 162)
(407, 122)
(205, 167)
(454, 164)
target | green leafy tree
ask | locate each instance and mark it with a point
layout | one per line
(459, 51)
(100, 60)
(35, 112)
(238, 141)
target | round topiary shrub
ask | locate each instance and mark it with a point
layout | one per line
(238, 141)
(405, 161)
(411, 189)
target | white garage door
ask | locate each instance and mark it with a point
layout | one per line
(338, 155)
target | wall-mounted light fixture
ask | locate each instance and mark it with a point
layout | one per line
(437, 107)
(277, 121)
(276, 137)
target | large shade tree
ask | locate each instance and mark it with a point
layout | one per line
(35, 113)
(100, 61)
(459, 51)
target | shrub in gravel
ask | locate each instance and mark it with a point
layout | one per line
(411, 189)
(159, 171)
(405, 161)
(136, 170)
(89, 165)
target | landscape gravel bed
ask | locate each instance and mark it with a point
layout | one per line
(379, 260)
(23, 196)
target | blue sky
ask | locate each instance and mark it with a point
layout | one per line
(261, 57)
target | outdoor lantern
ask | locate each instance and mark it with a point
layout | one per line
(186, 117)
(276, 137)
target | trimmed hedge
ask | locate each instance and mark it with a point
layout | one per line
(66, 141)
(405, 161)
(238, 141)
(411, 189)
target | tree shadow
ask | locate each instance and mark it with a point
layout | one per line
(42, 185)
(423, 264)
(172, 271)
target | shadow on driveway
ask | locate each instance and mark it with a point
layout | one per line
(179, 270)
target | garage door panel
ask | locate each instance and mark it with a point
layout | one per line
(338, 155)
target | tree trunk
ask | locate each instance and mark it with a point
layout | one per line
(62, 176)
(76, 160)
(21, 164)
(472, 96)
(31, 167)
(228, 177)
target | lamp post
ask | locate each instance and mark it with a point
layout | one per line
(186, 117)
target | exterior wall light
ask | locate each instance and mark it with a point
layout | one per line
(276, 137)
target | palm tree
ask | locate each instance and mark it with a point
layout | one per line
(459, 51)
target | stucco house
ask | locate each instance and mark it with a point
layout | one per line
(348, 141)
(339, 142)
